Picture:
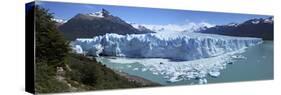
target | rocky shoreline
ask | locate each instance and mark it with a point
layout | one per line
(137, 79)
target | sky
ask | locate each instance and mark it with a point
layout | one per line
(146, 15)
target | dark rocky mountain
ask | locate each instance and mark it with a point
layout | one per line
(260, 28)
(95, 24)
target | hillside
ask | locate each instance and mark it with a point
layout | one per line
(58, 70)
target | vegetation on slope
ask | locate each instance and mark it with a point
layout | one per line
(58, 70)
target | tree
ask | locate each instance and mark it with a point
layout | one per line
(50, 44)
(51, 51)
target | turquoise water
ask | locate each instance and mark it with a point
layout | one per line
(257, 66)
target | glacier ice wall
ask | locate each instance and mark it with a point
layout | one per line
(175, 46)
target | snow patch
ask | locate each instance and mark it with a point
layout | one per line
(59, 20)
(100, 14)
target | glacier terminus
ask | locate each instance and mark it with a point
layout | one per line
(174, 46)
(182, 56)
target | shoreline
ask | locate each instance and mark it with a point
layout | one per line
(144, 82)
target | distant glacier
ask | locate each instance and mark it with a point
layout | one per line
(178, 46)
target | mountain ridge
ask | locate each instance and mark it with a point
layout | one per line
(96, 24)
(257, 27)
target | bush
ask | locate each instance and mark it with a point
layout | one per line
(91, 73)
(45, 81)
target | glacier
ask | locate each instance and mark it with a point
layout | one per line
(179, 46)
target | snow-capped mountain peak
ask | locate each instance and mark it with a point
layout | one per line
(59, 20)
(233, 24)
(205, 24)
(100, 14)
(256, 22)
(260, 20)
(268, 20)
(189, 27)
(95, 24)
(256, 27)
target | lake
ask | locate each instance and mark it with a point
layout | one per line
(258, 65)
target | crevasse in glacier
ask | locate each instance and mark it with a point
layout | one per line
(174, 46)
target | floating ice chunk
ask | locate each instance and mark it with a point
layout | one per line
(155, 73)
(144, 69)
(202, 74)
(173, 79)
(166, 77)
(214, 73)
(173, 71)
(238, 57)
(129, 66)
(202, 81)
(135, 69)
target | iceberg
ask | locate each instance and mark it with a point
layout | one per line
(178, 46)
(175, 71)
(214, 73)
(202, 81)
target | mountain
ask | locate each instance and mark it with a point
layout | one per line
(260, 28)
(188, 27)
(95, 24)
(141, 27)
